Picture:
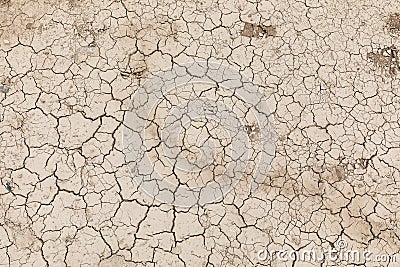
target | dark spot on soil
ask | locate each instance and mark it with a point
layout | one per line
(8, 186)
(29, 26)
(253, 131)
(138, 72)
(254, 30)
(340, 173)
(393, 23)
(387, 59)
(135, 73)
(363, 163)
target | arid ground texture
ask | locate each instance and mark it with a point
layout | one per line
(308, 161)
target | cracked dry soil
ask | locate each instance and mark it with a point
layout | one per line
(69, 69)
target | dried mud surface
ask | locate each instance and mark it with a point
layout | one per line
(68, 70)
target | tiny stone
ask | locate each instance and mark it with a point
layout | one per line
(4, 88)
(5, 41)
(8, 186)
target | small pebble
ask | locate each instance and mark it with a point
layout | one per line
(5, 41)
(8, 186)
(4, 88)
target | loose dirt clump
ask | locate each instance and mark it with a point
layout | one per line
(387, 59)
(393, 23)
(253, 131)
(260, 31)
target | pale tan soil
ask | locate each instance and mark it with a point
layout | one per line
(68, 72)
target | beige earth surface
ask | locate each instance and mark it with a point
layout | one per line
(329, 71)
